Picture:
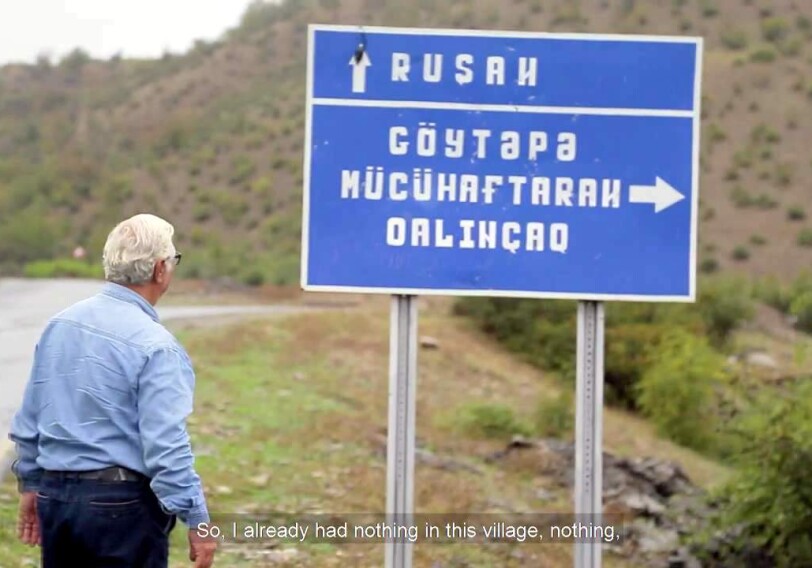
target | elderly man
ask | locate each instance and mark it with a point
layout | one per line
(104, 460)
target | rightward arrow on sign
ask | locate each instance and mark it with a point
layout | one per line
(359, 72)
(662, 194)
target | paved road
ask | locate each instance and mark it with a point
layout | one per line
(26, 305)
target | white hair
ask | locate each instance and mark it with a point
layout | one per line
(133, 247)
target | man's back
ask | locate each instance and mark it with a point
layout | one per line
(85, 381)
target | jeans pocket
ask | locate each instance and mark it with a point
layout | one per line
(111, 508)
(115, 503)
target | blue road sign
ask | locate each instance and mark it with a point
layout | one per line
(501, 164)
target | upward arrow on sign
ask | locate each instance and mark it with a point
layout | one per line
(359, 66)
(662, 195)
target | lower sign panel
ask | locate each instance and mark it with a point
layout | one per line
(481, 202)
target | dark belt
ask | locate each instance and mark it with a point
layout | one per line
(106, 474)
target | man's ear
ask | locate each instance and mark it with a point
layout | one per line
(158, 272)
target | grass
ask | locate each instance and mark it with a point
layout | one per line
(291, 416)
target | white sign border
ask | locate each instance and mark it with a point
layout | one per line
(697, 41)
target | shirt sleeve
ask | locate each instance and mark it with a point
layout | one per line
(165, 400)
(25, 434)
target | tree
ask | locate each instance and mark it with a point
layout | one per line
(768, 502)
(75, 60)
(677, 391)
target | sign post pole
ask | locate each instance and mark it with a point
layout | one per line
(401, 429)
(589, 427)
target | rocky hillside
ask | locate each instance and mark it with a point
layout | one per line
(213, 139)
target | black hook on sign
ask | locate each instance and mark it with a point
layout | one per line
(362, 46)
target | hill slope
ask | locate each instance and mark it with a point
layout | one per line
(213, 139)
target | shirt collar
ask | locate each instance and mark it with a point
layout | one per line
(125, 294)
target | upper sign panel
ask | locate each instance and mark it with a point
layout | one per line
(502, 68)
(491, 163)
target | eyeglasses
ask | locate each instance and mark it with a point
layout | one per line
(177, 258)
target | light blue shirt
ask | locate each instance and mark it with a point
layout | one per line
(110, 386)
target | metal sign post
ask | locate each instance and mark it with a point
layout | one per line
(401, 436)
(589, 427)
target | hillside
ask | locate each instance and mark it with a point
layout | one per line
(212, 139)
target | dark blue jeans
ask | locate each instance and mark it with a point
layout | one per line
(101, 524)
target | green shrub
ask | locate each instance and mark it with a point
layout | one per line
(202, 212)
(708, 8)
(792, 299)
(764, 201)
(555, 417)
(677, 392)
(242, 168)
(803, 23)
(805, 238)
(27, 236)
(801, 309)
(627, 356)
(75, 60)
(770, 291)
(716, 134)
(791, 48)
(743, 158)
(734, 39)
(724, 304)
(253, 277)
(543, 332)
(801, 284)
(758, 240)
(63, 268)
(232, 208)
(740, 253)
(768, 502)
(261, 186)
(709, 266)
(774, 29)
(783, 175)
(489, 420)
(763, 55)
(762, 133)
(283, 270)
(741, 198)
(796, 213)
